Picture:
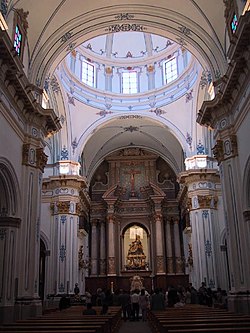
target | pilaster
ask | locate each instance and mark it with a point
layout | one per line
(203, 253)
(8, 287)
(64, 195)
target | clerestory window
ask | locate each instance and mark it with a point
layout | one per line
(88, 73)
(170, 70)
(129, 82)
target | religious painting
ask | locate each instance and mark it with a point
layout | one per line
(132, 177)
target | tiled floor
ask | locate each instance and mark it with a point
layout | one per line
(135, 327)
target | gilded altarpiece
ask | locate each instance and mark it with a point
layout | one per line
(133, 197)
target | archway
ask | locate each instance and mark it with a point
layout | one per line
(136, 248)
(42, 260)
(9, 190)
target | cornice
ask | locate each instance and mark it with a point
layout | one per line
(239, 53)
(54, 182)
(196, 175)
(21, 90)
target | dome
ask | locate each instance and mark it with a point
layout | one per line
(127, 71)
(128, 46)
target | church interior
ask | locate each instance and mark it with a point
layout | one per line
(124, 131)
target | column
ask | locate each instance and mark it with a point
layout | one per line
(94, 245)
(65, 205)
(170, 268)
(102, 249)
(8, 288)
(206, 225)
(159, 244)
(111, 246)
(177, 247)
(28, 302)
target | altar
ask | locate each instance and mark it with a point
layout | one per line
(134, 222)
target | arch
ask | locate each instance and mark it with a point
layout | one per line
(136, 247)
(95, 126)
(167, 159)
(246, 186)
(10, 201)
(149, 18)
(156, 146)
(130, 224)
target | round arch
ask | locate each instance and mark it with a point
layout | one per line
(246, 187)
(136, 246)
(153, 144)
(9, 189)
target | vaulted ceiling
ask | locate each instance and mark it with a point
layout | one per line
(56, 27)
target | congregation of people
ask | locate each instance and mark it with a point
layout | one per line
(138, 301)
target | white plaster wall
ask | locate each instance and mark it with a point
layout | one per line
(11, 146)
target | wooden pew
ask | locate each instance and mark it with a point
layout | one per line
(194, 319)
(68, 321)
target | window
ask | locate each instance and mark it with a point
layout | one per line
(129, 82)
(234, 23)
(88, 73)
(18, 40)
(170, 70)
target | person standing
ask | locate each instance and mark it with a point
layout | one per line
(143, 303)
(157, 301)
(124, 299)
(135, 305)
(88, 297)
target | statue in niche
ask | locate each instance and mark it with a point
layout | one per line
(136, 257)
(136, 283)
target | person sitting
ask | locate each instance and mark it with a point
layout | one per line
(89, 310)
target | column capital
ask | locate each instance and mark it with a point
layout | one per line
(60, 207)
(94, 222)
(158, 217)
(111, 218)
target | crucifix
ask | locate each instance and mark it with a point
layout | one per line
(132, 174)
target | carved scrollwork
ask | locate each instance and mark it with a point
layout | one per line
(218, 151)
(41, 159)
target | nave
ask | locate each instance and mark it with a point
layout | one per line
(187, 319)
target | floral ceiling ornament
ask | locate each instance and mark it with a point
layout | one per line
(125, 27)
(189, 96)
(64, 153)
(103, 113)
(200, 148)
(74, 145)
(66, 37)
(54, 84)
(206, 78)
(129, 55)
(131, 129)
(71, 47)
(71, 99)
(124, 16)
(189, 140)
(185, 31)
(158, 111)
